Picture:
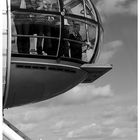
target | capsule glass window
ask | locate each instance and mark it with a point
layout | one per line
(43, 5)
(35, 31)
(80, 39)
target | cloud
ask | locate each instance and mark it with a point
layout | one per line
(111, 7)
(83, 94)
(123, 132)
(133, 8)
(108, 51)
(109, 120)
(117, 132)
(62, 126)
(91, 130)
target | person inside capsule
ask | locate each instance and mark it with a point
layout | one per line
(41, 23)
(45, 28)
(22, 25)
(76, 47)
(51, 29)
(40, 31)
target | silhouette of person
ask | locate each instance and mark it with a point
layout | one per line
(22, 25)
(52, 29)
(75, 47)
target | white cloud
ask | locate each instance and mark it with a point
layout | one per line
(133, 8)
(85, 131)
(59, 124)
(62, 124)
(117, 132)
(123, 132)
(111, 7)
(85, 93)
(32, 115)
(108, 51)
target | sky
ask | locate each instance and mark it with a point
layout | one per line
(103, 110)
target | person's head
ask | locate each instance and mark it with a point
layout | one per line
(76, 27)
(47, 4)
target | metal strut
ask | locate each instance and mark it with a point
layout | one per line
(11, 132)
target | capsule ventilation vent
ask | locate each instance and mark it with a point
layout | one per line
(31, 66)
(52, 68)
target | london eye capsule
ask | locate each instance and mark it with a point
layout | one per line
(49, 47)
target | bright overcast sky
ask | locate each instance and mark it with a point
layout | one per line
(103, 110)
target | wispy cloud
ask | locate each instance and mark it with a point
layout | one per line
(109, 50)
(63, 125)
(123, 132)
(113, 7)
(117, 126)
(90, 130)
(106, 121)
(83, 94)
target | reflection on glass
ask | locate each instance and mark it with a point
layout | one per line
(46, 5)
(88, 10)
(79, 7)
(89, 47)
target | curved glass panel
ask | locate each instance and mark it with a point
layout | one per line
(88, 30)
(39, 27)
(89, 48)
(89, 10)
(80, 40)
(101, 37)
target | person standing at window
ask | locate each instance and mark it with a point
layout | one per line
(76, 47)
(22, 24)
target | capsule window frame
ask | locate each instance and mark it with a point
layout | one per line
(86, 20)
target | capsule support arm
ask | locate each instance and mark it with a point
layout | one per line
(95, 71)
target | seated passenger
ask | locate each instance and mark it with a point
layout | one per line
(75, 47)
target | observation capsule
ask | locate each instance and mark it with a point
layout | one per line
(49, 47)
